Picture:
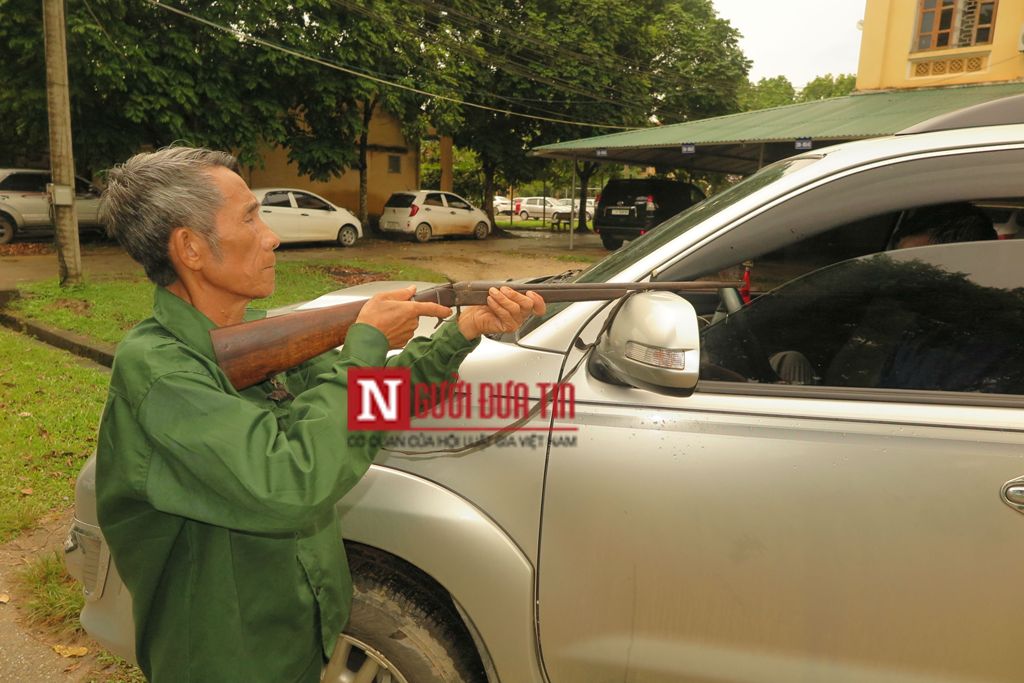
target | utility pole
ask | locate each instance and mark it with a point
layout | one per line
(62, 163)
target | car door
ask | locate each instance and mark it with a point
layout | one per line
(87, 202)
(460, 213)
(853, 528)
(25, 191)
(436, 213)
(318, 219)
(281, 216)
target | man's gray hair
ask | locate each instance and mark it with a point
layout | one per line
(153, 193)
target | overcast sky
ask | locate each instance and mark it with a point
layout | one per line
(798, 39)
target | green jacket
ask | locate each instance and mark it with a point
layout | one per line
(219, 505)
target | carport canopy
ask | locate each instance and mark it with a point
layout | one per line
(739, 144)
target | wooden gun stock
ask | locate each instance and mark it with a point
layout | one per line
(252, 352)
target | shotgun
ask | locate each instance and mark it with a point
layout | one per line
(252, 352)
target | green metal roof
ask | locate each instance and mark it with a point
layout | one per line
(738, 143)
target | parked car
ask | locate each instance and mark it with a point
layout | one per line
(301, 216)
(566, 209)
(536, 207)
(428, 213)
(25, 206)
(629, 207)
(697, 517)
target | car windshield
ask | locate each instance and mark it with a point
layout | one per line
(672, 228)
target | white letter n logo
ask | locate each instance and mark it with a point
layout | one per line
(383, 409)
(378, 399)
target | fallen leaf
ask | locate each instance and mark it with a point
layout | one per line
(4, 598)
(71, 650)
(26, 492)
(24, 414)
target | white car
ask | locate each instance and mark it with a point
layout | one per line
(566, 205)
(301, 216)
(25, 207)
(429, 213)
(536, 207)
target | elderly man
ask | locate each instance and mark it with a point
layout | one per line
(219, 505)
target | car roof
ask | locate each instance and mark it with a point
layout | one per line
(8, 171)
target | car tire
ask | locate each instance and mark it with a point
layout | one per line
(399, 619)
(423, 232)
(611, 243)
(7, 230)
(480, 231)
(524, 215)
(347, 236)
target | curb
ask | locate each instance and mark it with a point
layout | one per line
(73, 342)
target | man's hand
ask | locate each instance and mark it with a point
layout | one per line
(396, 317)
(505, 311)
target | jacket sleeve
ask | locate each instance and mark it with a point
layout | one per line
(431, 359)
(434, 359)
(223, 460)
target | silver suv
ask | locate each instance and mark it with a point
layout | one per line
(816, 477)
(25, 207)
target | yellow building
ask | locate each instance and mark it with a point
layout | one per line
(939, 43)
(392, 161)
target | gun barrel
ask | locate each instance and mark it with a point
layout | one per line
(475, 292)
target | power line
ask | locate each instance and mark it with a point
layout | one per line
(359, 74)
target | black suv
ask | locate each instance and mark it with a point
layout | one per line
(627, 208)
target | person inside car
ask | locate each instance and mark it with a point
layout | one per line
(937, 224)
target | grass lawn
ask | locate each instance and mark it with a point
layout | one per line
(531, 224)
(106, 309)
(50, 405)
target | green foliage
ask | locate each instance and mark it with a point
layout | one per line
(778, 91)
(824, 87)
(50, 405)
(467, 179)
(766, 93)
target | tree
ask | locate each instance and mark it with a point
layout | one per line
(619, 62)
(824, 87)
(766, 93)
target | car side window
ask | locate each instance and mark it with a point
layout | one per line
(308, 201)
(26, 182)
(942, 317)
(433, 199)
(277, 199)
(455, 202)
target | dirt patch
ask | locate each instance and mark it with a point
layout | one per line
(351, 276)
(26, 249)
(76, 306)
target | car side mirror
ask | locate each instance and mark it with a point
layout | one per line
(653, 343)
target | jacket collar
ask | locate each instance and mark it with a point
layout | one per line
(187, 323)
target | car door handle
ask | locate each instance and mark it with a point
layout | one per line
(452, 213)
(266, 210)
(303, 214)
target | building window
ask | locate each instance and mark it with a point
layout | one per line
(954, 23)
(984, 19)
(394, 163)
